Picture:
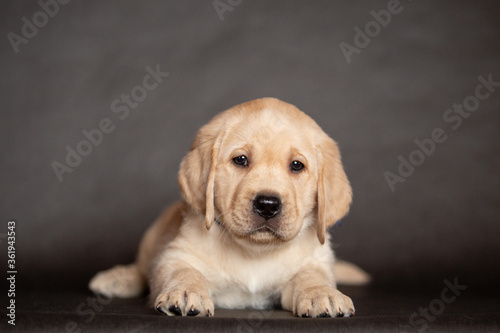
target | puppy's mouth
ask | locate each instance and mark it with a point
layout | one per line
(250, 228)
(264, 234)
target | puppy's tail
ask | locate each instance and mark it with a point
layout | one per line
(347, 273)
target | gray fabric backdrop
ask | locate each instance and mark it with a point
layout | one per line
(67, 68)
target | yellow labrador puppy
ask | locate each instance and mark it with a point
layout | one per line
(261, 184)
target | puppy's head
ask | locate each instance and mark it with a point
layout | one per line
(264, 170)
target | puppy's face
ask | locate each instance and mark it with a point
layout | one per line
(266, 176)
(265, 171)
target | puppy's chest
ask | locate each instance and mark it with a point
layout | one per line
(250, 283)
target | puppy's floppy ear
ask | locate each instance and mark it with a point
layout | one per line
(334, 190)
(197, 171)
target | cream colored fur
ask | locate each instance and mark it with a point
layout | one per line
(193, 264)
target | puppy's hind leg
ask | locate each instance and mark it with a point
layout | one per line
(119, 281)
(347, 273)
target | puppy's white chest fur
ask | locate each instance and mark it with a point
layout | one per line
(240, 280)
(248, 283)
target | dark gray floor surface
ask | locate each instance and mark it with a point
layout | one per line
(377, 310)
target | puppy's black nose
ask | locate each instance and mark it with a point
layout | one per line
(267, 206)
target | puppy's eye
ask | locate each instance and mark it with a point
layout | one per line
(241, 160)
(296, 166)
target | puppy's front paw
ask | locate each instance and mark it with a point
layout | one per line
(181, 302)
(322, 302)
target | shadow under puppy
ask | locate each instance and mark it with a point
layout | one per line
(261, 184)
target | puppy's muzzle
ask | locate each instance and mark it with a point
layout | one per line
(267, 206)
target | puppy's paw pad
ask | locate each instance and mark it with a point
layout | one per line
(161, 308)
(174, 310)
(306, 315)
(193, 312)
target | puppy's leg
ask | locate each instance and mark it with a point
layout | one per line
(182, 293)
(311, 293)
(349, 274)
(119, 281)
